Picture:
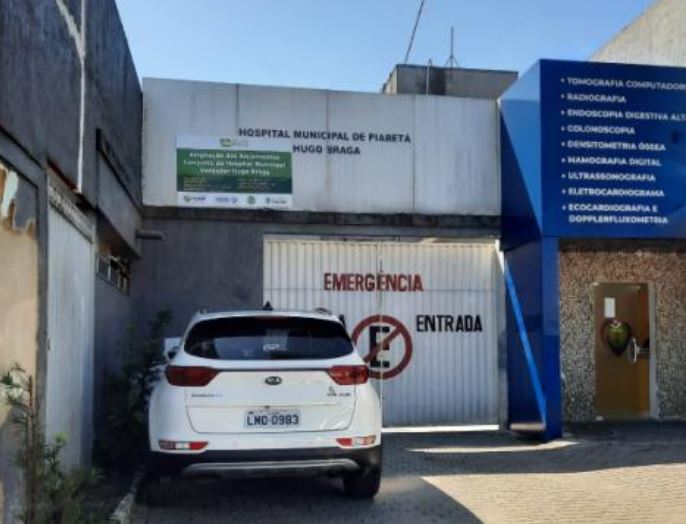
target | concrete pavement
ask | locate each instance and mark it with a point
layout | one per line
(634, 473)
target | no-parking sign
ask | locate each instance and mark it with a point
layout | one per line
(390, 345)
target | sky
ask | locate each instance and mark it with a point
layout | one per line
(354, 44)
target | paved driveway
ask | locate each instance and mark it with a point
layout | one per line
(599, 474)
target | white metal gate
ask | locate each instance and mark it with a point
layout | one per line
(434, 304)
(71, 282)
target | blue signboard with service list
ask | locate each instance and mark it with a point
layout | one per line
(613, 150)
(594, 150)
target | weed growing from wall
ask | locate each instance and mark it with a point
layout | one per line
(51, 495)
(123, 440)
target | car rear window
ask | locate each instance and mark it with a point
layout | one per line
(268, 338)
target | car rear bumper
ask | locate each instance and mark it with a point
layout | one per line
(267, 462)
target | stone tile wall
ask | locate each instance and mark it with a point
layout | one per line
(661, 264)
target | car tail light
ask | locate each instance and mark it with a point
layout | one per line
(353, 442)
(171, 445)
(349, 375)
(189, 376)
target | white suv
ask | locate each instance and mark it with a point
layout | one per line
(266, 392)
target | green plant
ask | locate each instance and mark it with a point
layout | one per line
(122, 441)
(51, 495)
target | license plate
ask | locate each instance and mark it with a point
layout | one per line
(272, 418)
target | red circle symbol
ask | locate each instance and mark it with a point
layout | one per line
(398, 330)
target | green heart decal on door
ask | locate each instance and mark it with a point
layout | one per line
(616, 335)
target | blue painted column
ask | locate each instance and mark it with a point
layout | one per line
(533, 338)
(550, 362)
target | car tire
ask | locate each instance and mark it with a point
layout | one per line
(161, 491)
(362, 484)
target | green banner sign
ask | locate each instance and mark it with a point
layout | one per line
(227, 171)
(230, 172)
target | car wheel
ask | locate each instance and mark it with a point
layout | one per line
(362, 484)
(161, 491)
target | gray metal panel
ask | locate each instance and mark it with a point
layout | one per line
(71, 281)
(456, 154)
(116, 204)
(452, 377)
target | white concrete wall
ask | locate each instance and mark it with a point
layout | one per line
(451, 166)
(658, 37)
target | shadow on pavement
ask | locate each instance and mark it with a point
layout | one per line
(403, 498)
(411, 461)
(589, 447)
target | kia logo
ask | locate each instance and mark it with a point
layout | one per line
(273, 381)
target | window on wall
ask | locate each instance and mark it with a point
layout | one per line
(113, 267)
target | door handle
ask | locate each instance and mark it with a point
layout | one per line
(633, 350)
